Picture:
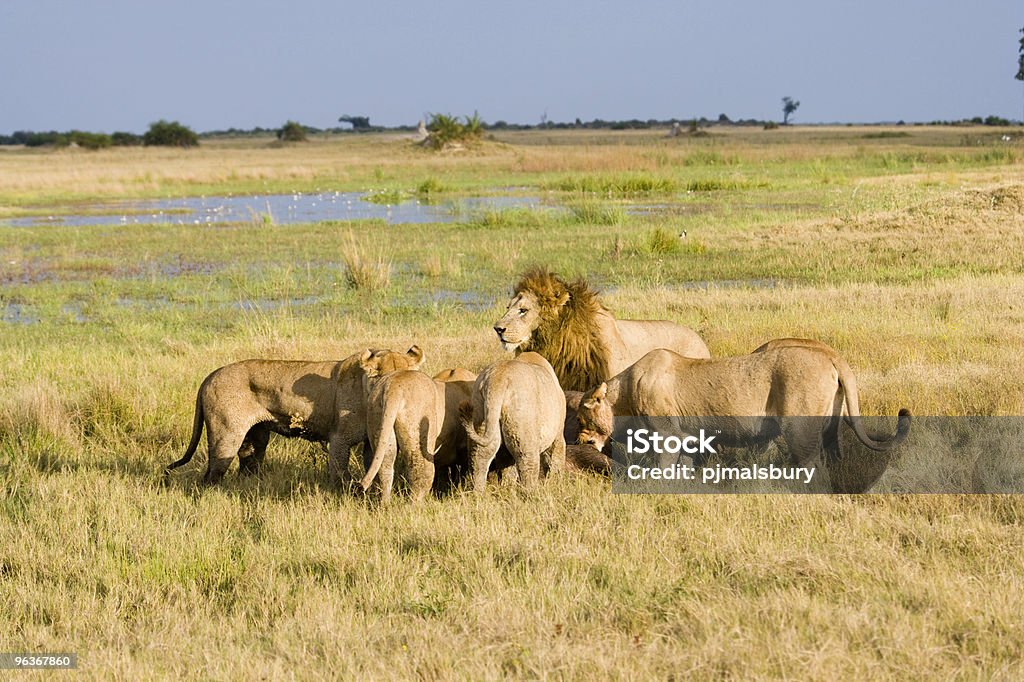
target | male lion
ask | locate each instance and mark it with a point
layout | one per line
(566, 323)
(807, 388)
(516, 403)
(242, 403)
(412, 415)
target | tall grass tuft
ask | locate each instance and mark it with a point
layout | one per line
(366, 269)
(507, 217)
(661, 242)
(715, 185)
(613, 184)
(706, 157)
(435, 266)
(591, 212)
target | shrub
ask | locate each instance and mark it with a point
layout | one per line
(169, 134)
(90, 140)
(446, 130)
(122, 139)
(386, 197)
(430, 186)
(292, 131)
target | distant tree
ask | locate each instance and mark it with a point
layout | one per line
(89, 140)
(789, 105)
(1020, 61)
(357, 122)
(292, 132)
(49, 138)
(123, 139)
(169, 134)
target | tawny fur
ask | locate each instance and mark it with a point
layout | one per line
(519, 404)
(241, 404)
(566, 323)
(810, 387)
(414, 420)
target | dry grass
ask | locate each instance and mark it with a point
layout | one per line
(916, 280)
(366, 269)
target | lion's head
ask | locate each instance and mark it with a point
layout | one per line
(375, 363)
(558, 320)
(595, 418)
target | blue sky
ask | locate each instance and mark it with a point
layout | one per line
(110, 65)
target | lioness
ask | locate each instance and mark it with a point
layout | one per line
(412, 415)
(517, 403)
(791, 342)
(807, 386)
(404, 413)
(451, 461)
(242, 403)
(566, 323)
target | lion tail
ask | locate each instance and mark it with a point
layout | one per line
(490, 425)
(387, 442)
(197, 432)
(849, 384)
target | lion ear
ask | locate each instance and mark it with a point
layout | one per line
(367, 364)
(416, 354)
(589, 404)
(563, 298)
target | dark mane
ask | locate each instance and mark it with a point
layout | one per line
(569, 336)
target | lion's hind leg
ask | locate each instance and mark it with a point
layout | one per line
(552, 460)
(528, 466)
(254, 449)
(804, 438)
(223, 445)
(481, 456)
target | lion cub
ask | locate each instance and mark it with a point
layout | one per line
(411, 415)
(517, 403)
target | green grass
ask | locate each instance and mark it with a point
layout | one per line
(904, 254)
(387, 197)
(613, 185)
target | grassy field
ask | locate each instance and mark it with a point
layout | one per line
(902, 247)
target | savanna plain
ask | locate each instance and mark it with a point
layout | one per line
(901, 247)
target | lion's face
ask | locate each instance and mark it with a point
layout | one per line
(595, 418)
(517, 325)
